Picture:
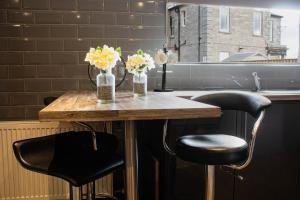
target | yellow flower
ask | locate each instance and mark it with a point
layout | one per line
(103, 58)
(134, 62)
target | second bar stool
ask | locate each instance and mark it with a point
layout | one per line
(222, 150)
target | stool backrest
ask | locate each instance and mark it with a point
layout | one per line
(235, 100)
(248, 102)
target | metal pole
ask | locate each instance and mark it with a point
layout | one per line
(89, 191)
(163, 84)
(74, 193)
(178, 30)
(131, 161)
(210, 182)
(299, 42)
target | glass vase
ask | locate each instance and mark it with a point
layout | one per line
(140, 84)
(105, 86)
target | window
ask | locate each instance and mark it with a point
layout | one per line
(183, 17)
(224, 18)
(245, 34)
(271, 31)
(171, 26)
(223, 56)
(257, 23)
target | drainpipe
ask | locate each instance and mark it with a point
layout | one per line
(299, 42)
(178, 34)
(199, 34)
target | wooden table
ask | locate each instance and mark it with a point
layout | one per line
(82, 106)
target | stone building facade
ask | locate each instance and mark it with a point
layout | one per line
(194, 33)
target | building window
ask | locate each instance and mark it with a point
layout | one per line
(182, 17)
(224, 19)
(223, 56)
(257, 23)
(271, 31)
(171, 26)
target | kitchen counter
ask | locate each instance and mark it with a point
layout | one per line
(274, 95)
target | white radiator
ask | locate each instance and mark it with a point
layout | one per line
(19, 183)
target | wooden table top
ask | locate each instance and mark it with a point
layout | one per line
(82, 106)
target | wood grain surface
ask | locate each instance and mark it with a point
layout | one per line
(82, 106)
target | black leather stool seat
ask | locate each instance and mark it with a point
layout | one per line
(212, 149)
(70, 156)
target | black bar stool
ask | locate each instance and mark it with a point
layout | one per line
(70, 156)
(222, 150)
(77, 157)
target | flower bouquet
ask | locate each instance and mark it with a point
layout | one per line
(138, 64)
(104, 58)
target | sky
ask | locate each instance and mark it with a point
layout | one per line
(290, 30)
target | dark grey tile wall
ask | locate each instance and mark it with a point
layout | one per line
(43, 45)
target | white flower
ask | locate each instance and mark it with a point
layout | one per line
(103, 58)
(172, 57)
(88, 57)
(149, 62)
(140, 62)
(160, 57)
(135, 62)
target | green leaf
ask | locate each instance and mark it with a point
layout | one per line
(99, 48)
(142, 67)
(140, 52)
(119, 50)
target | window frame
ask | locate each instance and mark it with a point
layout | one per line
(224, 10)
(182, 18)
(172, 28)
(260, 23)
(271, 36)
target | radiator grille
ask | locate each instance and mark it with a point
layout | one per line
(19, 183)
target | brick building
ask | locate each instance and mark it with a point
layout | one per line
(202, 33)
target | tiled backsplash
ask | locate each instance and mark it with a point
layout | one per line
(43, 44)
(228, 76)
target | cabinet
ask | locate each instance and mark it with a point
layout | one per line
(274, 171)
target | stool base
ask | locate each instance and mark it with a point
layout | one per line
(210, 182)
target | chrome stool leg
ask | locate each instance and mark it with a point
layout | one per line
(74, 193)
(89, 191)
(94, 190)
(70, 192)
(81, 193)
(210, 182)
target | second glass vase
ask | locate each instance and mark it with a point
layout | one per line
(105, 86)
(140, 84)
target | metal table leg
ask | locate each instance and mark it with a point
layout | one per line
(131, 161)
(74, 193)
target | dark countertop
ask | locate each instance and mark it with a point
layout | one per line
(274, 95)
